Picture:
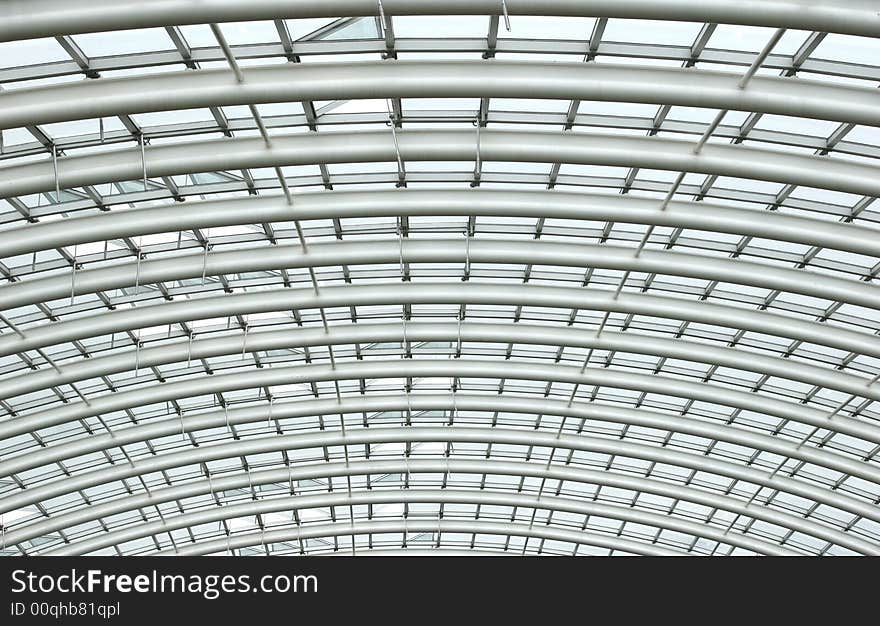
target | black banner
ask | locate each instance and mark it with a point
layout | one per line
(131, 590)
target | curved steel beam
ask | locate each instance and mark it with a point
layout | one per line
(519, 404)
(442, 145)
(438, 79)
(469, 292)
(423, 496)
(566, 473)
(353, 370)
(507, 529)
(484, 251)
(434, 551)
(38, 493)
(28, 19)
(631, 342)
(860, 239)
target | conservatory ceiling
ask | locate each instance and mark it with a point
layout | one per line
(439, 277)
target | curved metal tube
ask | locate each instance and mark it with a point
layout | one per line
(441, 145)
(412, 434)
(291, 82)
(18, 534)
(860, 239)
(27, 19)
(269, 377)
(510, 529)
(632, 342)
(470, 292)
(422, 496)
(157, 428)
(486, 251)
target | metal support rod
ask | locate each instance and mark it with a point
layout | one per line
(505, 14)
(137, 270)
(381, 19)
(459, 202)
(73, 276)
(478, 164)
(762, 56)
(261, 126)
(207, 245)
(458, 145)
(44, 17)
(55, 173)
(142, 142)
(227, 52)
(12, 325)
(709, 131)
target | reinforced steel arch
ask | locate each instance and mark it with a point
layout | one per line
(542, 259)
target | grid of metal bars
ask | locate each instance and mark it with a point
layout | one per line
(540, 495)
